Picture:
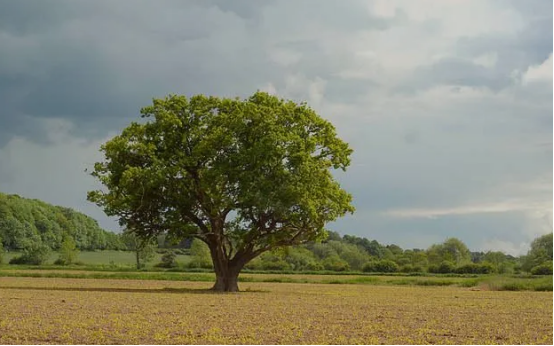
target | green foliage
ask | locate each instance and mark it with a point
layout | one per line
(200, 255)
(408, 268)
(335, 263)
(354, 255)
(68, 252)
(496, 258)
(373, 248)
(322, 250)
(381, 266)
(300, 258)
(475, 268)
(1, 252)
(169, 260)
(25, 220)
(35, 253)
(452, 250)
(542, 269)
(146, 253)
(540, 252)
(145, 249)
(444, 267)
(278, 264)
(333, 236)
(245, 176)
(274, 261)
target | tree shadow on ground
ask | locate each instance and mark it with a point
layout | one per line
(131, 290)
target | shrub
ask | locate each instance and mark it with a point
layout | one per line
(474, 268)
(505, 268)
(408, 268)
(335, 263)
(299, 258)
(278, 264)
(355, 256)
(485, 268)
(200, 255)
(168, 260)
(255, 264)
(68, 252)
(542, 269)
(444, 268)
(313, 266)
(469, 268)
(382, 266)
(200, 262)
(34, 254)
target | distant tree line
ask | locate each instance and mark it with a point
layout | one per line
(36, 228)
(30, 225)
(352, 253)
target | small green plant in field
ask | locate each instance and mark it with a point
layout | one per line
(68, 252)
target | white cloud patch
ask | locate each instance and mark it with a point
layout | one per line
(486, 60)
(515, 205)
(539, 73)
(514, 249)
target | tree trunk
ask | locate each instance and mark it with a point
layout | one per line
(226, 280)
(226, 270)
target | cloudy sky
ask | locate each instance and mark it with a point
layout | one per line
(447, 104)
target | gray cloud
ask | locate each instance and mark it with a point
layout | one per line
(458, 72)
(445, 105)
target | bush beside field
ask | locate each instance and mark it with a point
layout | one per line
(109, 257)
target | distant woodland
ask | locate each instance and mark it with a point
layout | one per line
(30, 225)
(25, 222)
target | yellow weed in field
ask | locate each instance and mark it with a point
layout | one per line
(85, 311)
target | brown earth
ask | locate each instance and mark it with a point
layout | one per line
(79, 311)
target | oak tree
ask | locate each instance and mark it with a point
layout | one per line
(244, 176)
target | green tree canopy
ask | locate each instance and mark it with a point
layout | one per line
(68, 251)
(24, 221)
(243, 176)
(540, 252)
(452, 250)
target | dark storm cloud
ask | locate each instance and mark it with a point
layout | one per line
(97, 63)
(99, 70)
(23, 18)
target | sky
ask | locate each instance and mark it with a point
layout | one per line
(447, 104)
